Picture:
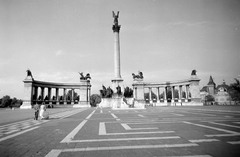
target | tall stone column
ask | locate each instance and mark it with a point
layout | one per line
(117, 81)
(72, 102)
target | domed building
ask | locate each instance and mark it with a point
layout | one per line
(222, 96)
(219, 95)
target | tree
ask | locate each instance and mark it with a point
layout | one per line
(234, 90)
(6, 101)
(95, 99)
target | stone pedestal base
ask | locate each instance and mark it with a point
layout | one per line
(26, 105)
(161, 104)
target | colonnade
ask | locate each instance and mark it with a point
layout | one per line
(164, 89)
(38, 91)
(189, 86)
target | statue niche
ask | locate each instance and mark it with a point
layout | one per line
(82, 77)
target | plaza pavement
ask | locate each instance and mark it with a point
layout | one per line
(157, 131)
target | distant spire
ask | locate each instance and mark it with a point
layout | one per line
(211, 82)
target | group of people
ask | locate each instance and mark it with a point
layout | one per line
(40, 112)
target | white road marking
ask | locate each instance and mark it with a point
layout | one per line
(126, 127)
(126, 139)
(191, 156)
(114, 116)
(233, 126)
(237, 122)
(199, 113)
(234, 142)
(140, 115)
(203, 140)
(102, 128)
(57, 152)
(71, 135)
(214, 128)
(54, 153)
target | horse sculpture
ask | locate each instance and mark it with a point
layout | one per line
(138, 76)
(82, 77)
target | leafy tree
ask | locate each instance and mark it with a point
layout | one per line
(69, 95)
(6, 101)
(234, 90)
(128, 92)
(95, 99)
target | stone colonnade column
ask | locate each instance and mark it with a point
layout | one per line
(49, 95)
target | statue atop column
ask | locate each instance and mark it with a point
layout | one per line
(115, 27)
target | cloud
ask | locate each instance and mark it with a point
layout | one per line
(59, 53)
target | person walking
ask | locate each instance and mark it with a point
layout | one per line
(42, 110)
(36, 108)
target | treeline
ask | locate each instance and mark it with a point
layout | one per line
(7, 101)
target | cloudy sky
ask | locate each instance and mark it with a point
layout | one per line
(165, 39)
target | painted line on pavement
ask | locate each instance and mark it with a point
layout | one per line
(234, 142)
(126, 139)
(203, 140)
(19, 133)
(191, 156)
(127, 127)
(233, 126)
(141, 115)
(57, 152)
(214, 128)
(71, 135)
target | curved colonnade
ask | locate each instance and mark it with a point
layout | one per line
(190, 87)
(37, 91)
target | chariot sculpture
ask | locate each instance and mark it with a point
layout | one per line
(138, 76)
(82, 77)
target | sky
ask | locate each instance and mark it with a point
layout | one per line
(165, 39)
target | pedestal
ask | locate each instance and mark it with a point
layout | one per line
(28, 89)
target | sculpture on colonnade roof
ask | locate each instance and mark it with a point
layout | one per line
(138, 76)
(29, 73)
(194, 72)
(82, 77)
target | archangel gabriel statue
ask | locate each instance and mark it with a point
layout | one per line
(115, 16)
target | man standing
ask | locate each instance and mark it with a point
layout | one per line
(36, 108)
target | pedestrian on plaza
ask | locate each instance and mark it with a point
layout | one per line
(42, 110)
(36, 108)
